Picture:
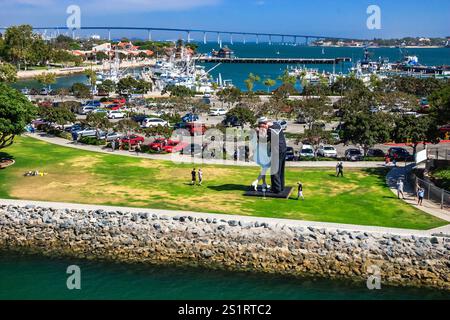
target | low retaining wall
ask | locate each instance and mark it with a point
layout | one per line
(231, 245)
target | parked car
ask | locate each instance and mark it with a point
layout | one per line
(192, 149)
(307, 151)
(378, 153)
(154, 122)
(400, 154)
(336, 137)
(445, 129)
(217, 112)
(327, 151)
(44, 92)
(158, 144)
(93, 103)
(194, 129)
(25, 91)
(113, 107)
(87, 109)
(132, 139)
(116, 114)
(139, 118)
(190, 117)
(110, 136)
(75, 128)
(174, 146)
(282, 123)
(88, 132)
(232, 121)
(290, 154)
(353, 155)
(100, 111)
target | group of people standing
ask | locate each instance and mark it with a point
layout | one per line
(194, 175)
(400, 192)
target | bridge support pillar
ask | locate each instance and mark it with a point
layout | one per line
(109, 35)
(245, 40)
(188, 37)
(306, 41)
(218, 38)
(257, 39)
(149, 35)
(231, 38)
(270, 40)
(204, 38)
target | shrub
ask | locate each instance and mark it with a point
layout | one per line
(91, 141)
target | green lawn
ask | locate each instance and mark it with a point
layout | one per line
(94, 178)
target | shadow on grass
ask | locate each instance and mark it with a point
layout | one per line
(379, 173)
(6, 156)
(229, 187)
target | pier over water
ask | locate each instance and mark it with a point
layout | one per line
(204, 59)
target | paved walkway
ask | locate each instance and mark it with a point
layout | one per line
(410, 197)
(189, 159)
(245, 219)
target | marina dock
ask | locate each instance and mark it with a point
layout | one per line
(204, 59)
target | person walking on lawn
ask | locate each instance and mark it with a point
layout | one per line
(200, 177)
(194, 177)
(300, 191)
(400, 187)
(340, 169)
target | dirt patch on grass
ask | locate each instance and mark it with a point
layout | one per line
(55, 187)
(85, 162)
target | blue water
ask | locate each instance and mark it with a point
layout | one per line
(35, 277)
(239, 72)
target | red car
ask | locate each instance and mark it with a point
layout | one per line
(167, 145)
(445, 129)
(132, 139)
(175, 146)
(113, 107)
(120, 101)
(193, 128)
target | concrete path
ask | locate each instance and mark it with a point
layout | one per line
(188, 159)
(410, 197)
(272, 221)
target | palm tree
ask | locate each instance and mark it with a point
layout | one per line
(250, 81)
(269, 83)
(92, 76)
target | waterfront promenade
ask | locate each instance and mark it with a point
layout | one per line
(30, 74)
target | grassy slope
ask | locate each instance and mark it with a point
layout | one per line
(84, 177)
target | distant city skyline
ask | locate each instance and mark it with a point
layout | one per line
(322, 17)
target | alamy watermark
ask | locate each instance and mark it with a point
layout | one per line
(74, 280)
(73, 21)
(374, 19)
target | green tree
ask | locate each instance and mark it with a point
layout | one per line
(250, 81)
(81, 91)
(46, 79)
(59, 115)
(99, 121)
(18, 45)
(415, 130)
(8, 73)
(314, 110)
(230, 96)
(108, 86)
(244, 115)
(92, 77)
(367, 129)
(178, 91)
(16, 111)
(286, 78)
(440, 105)
(269, 83)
